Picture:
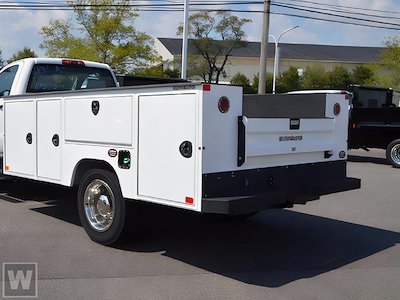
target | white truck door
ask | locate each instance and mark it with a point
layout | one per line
(166, 150)
(49, 134)
(20, 137)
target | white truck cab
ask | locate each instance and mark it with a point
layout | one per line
(36, 75)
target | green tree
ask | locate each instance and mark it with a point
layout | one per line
(155, 71)
(21, 54)
(268, 83)
(364, 74)
(338, 78)
(171, 73)
(288, 81)
(390, 57)
(108, 36)
(203, 29)
(158, 71)
(1, 59)
(314, 77)
(241, 80)
(385, 80)
(388, 65)
(196, 66)
(59, 41)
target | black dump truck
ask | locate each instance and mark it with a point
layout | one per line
(375, 121)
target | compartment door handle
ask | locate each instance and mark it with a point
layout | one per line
(56, 140)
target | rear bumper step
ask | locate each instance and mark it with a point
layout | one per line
(255, 190)
(279, 198)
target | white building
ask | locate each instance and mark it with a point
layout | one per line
(247, 60)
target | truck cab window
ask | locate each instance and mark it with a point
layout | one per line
(6, 80)
(48, 77)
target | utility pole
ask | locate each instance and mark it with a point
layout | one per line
(185, 38)
(264, 45)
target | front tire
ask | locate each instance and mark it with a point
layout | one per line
(101, 206)
(393, 153)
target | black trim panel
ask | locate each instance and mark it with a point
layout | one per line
(298, 106)
(241, 192)
(241, 142)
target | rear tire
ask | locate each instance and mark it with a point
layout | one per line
(393, 153)
(101, 206)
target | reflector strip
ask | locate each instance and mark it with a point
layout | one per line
(189, 200)
(206, 87)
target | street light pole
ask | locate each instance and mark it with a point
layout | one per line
(274, 80)
(277, 58)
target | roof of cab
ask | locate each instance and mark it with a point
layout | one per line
(46, 60)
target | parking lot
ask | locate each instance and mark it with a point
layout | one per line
(343, 246)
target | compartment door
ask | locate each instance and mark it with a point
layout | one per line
(20, 137)
(166, 149)
(49, 139)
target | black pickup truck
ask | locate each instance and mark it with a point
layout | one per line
(375, 121)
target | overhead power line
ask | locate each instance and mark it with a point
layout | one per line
(343, 10)
(309, 9)
(346, 7)
(335, 15)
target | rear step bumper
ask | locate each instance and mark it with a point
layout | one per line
(236, 193)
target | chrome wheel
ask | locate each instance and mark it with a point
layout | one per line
(101, 207)
(395, 154)
(99, 203)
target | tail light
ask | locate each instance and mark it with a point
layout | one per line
(224, 104)
(336, 109)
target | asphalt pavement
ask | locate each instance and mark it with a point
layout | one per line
(343, 246)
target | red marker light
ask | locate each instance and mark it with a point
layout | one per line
(224, 104)
(206, 87)
(189, 200)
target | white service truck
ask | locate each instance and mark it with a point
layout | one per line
(200, 147)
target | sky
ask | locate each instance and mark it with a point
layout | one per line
(19, 28)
